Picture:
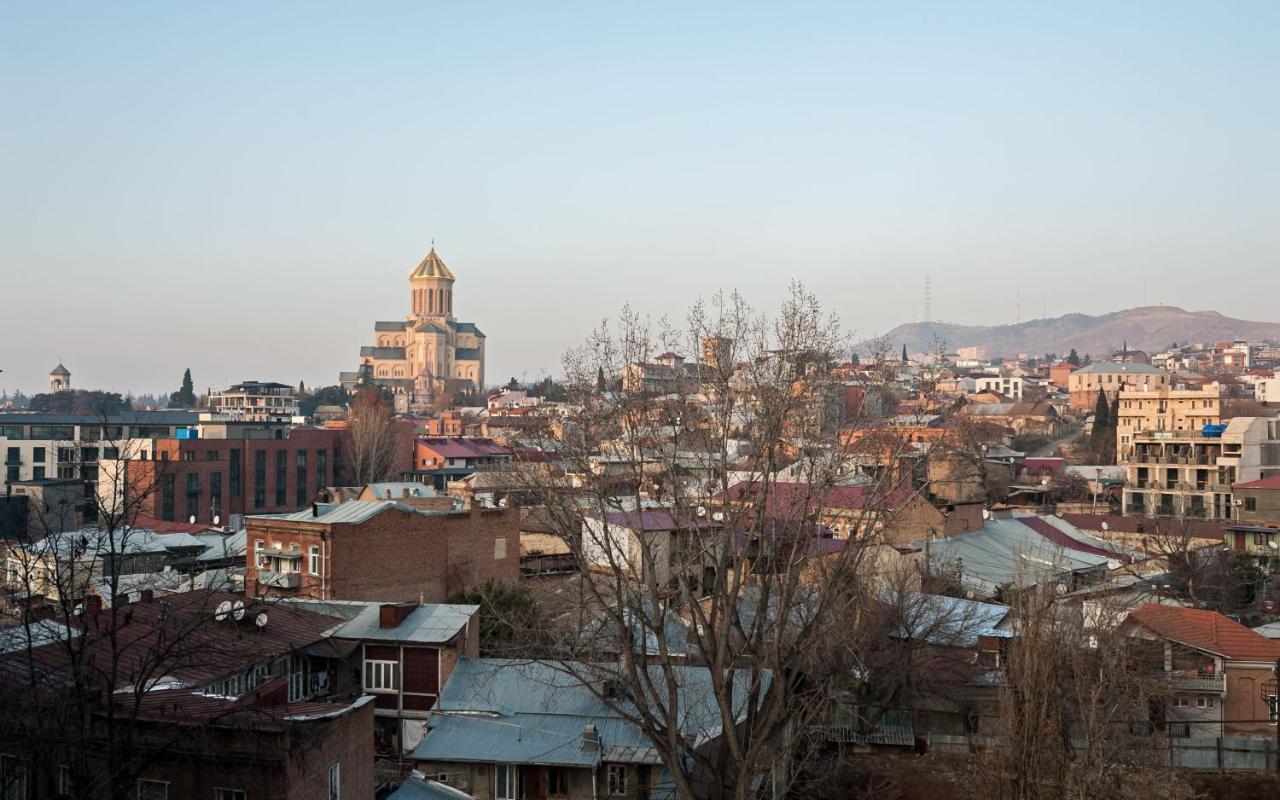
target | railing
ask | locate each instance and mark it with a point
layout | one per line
(1200, 683)
(280, 580)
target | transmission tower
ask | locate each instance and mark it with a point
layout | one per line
(928, 299)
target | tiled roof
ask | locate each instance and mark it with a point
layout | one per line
(462, 447)
(788, 499)
(1198, 529)
(1265, 483)
(1206, 630)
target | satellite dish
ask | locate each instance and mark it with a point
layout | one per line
(192, 519)
(1273, 544)
(223, 611)
(718, 516)
(986, 514)
(217, 519)
(237, 610)
(1061, 588)
(1105, 526)
(261, 619)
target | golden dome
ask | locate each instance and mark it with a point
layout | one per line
(431, 267)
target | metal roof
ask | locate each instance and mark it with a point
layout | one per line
(418, 788)
(535, 712)
(433, 623)
(1109, 366)
(469, 327)
(390, 326)
(352, 511)
(382, 352)
(123, 418)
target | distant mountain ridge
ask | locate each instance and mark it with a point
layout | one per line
(1149, 328)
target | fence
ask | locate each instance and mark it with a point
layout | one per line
(1215, 754)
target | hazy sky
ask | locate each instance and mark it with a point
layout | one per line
(244, 188)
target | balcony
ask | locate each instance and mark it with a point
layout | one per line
(280, 580)
(1216, 684)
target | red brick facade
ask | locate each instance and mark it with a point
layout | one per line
(183, 478)
(395, 555)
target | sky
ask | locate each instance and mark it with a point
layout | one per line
(243, 188)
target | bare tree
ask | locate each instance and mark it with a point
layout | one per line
(370, 442)
(697, 488)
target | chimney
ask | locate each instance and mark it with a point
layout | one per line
(406, 491)
(146, 596)
(315, 509)
(93, 604)
(392, 614)
(388, 494)
(590, 739)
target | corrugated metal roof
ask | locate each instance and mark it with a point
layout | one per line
(433, 623)
(352, 511)
(415, 788)
(534, 712)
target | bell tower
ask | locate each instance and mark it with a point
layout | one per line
(431, 288)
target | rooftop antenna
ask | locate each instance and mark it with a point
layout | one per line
(1019, 307)
(928, 299)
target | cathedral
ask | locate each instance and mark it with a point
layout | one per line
(428, 355)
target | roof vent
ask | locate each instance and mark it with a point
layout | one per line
(590, 739)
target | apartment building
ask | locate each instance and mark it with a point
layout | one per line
(1166, 408)
(216, 480)
(1190, 472)
(256, 401)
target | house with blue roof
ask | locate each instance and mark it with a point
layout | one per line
(506, 729)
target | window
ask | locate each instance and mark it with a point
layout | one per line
(381, 676)
(234, 473)
(37, 473)
(153, 790)
(259, 479)
(1251, 504)
(37, 454)
(335, 781)
(301, 483)
(1180, 702)
(504, 782)
(212, 455)
(617, 779)
(259, 558)
(282, 477)
(1272, 709)
(1204, 702)
(220, 793)
(215, 492)
(13, 778)
(313, 561)
(322, 464)
(557, 781)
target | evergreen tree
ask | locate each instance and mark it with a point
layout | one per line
(1101, 412)
(904, 354)
(1073, 357)
(601, 384)
(302, 388)
(185, 397)
(855, 361)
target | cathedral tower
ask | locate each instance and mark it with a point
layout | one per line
(431, 288)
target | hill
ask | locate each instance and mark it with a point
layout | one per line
(1150, 328)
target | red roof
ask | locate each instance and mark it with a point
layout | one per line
(1198, 529)
(1206, 630)
(169, 526)
(1264, 483)
(788, 499)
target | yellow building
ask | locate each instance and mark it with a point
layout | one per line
(1164, 409)
(1084, 383)
(429, 351)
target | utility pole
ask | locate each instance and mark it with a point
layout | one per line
(1273, 711)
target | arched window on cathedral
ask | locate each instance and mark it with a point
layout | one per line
(431, 302)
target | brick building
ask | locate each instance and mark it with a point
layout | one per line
(177, 478)
(379, 550)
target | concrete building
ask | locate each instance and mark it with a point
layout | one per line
(1011, 386)
(1111, 378)
(1190, 472)
(429, 352)
(256, 401)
